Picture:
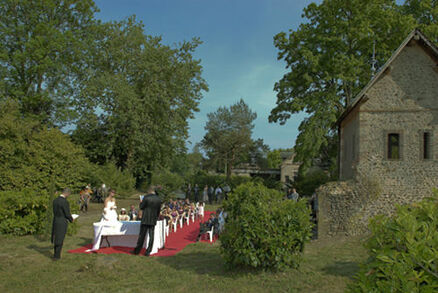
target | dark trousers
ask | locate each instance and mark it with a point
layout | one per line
(57, 251)
(149, 229)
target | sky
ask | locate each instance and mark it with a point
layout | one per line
(238, 56)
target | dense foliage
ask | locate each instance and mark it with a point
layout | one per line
(263, 230)
(121, 181)
(43, 55)
(308, 183)
(403, 251)
(33, 156)
(22, 212)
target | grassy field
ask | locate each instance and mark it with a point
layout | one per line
(26, 266)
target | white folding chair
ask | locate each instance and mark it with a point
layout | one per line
(193, 217)
(174, 224)
(187, 218)
(166, 228)
(180, 222)
(210, 233)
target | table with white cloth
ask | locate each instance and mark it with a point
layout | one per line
(125, 233)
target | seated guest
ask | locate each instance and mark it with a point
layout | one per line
(123, 216)
(133, 214)
(205, 227)
(174, 215)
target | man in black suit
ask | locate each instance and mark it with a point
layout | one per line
(150, 206)
(61, 217)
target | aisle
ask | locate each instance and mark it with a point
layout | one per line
(174, 243)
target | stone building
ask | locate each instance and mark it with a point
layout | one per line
(388, 139)
(288, 168)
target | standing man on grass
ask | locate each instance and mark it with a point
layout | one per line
(61, 217)
(150, 206)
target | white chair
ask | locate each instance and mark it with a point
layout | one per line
(174, 224)
(187, 218)
(210, 233)
(180, 222)
(193, 217)
(166, 229)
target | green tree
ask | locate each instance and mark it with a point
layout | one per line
(426, 14)
(44, 53)
(328, 60)
(138, 99)
(228, 134)
(274, 157)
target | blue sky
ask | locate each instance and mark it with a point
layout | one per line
(238, 55)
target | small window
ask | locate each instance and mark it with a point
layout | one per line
(394, 146)
(287, 179)
(426, 146)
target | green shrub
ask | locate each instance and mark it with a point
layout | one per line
(263, 230)
(170, 182)
(122, 181)
(22, 212)
(403, 251)
(34, 156)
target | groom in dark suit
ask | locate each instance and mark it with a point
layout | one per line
(61, 217)
(150, 206)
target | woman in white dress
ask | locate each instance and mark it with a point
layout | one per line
(110, 208)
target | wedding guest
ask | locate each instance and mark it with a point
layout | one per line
(205, 227)
(61, 217)
(293, 195)
(84, 199)
(123, 216)
(133, 214)
(205, 194)
(196, 191)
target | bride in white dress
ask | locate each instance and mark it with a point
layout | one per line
(110, 208)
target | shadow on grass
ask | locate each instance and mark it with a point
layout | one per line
(208, 262)
(45, 250)
(342, 268)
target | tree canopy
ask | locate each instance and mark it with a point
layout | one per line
(228, 134)
(44, 54)
(138, 98)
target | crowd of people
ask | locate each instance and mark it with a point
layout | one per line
(209, 194)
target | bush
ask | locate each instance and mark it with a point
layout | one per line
(34, 156)
(122, 181)
(403, 251)
(22, 212)
(263, 230)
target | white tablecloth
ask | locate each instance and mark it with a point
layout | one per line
(125, 234)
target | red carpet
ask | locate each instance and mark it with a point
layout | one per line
(174, 243)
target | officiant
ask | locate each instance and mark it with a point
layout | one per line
(61, 217)
(150, 207)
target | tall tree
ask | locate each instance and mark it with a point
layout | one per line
(44, 53)
(228, 134)
(328, 60)
(138, 98)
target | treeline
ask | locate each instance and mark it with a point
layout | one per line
(124, 96)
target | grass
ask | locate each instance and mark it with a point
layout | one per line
(26, 266)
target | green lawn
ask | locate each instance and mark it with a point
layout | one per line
(26, 266)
